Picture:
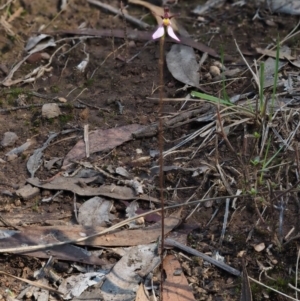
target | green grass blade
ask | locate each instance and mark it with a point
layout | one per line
(211, 98)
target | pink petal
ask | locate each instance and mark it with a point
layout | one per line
(158, 33)
(172, 34)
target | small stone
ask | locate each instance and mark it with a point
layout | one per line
(18, 203)
(139, 151)
(260, 247)
(219, 65)
(62, 99)
(11, 157)
(84, 114)
(27, 192)
(131, 44)
(9, 139)
(208, 76)
(46, 193)
(45, 56)
(50, 110)
(214, 71)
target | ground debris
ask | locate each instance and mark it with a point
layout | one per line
(51, 110)
(76, 185)
(75, 285)
(9, 139)
(102, 140)
(181, 62)
(27, 192)
(122, 283)
(35, 160)
(176, 286)
(95, 212)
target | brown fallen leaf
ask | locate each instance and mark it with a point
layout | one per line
(48, 218)
(102, 140)
(272, 53)
(80, 187)
(141, 294)
(176, 287)
(32, 236)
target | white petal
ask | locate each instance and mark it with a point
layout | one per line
(158, 33)
(172, 34)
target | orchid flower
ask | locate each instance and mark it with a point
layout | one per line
(166, 24)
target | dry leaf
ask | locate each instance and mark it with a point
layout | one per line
(272, 53)
(95, 212)
(76, 186)
(102, 140)
(141, 294)
(182, 64)
(176, 287)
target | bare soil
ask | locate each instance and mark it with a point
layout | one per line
(93, 98)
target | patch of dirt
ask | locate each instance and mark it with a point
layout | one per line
(111, 93)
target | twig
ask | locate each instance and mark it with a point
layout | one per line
(125, 30)
(161, 159)
(91, 106)
(117, 12)
(75, 208)
(220, 264)
(224, 221)
(34, 283)
(86, 140)
(120, 106)
(296, 274)
(112, 228)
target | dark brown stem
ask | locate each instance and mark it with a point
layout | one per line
(161, 159)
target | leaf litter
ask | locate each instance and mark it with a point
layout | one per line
(115, 195)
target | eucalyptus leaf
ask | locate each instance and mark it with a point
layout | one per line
(182, 63)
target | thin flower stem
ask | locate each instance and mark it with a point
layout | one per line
(161, 158)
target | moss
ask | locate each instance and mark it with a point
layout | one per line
(16, 91)
(89, 82)
(256, 291)
(54, 89)
(23, 157)
(63, 119)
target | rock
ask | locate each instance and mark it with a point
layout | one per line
(11, 157)
(51, 110)
(62, 99)
(27, 192)
(9, 139)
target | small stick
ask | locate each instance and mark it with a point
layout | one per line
(75, 208)
(220, 264)
(161, 158)
(125, 31)
(86, 140)
(93, 107)
(113, 10)
(120, 106)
